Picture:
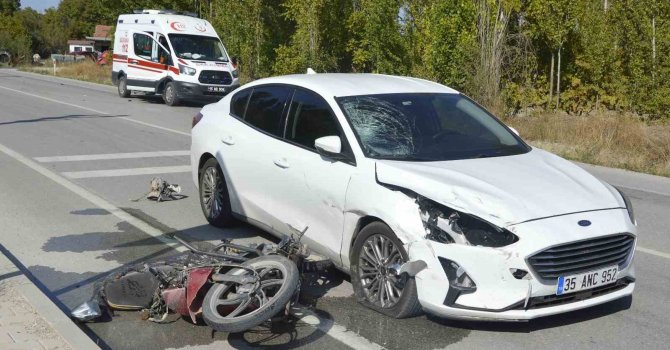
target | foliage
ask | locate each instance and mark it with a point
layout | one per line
(614, 54)
(14, 37)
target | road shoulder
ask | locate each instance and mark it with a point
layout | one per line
(28, 318)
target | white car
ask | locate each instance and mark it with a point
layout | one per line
(422, 196)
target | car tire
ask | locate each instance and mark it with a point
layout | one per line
(170, 94)
(122, 88)
(214, 198)
(407, 304)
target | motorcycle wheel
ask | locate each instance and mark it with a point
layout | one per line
(227, 308)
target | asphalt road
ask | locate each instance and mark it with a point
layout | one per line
(70, 221)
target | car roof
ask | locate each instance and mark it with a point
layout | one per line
(351, 84)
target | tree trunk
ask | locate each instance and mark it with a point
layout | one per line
(653, 47)
(558, 79)
(551, 82)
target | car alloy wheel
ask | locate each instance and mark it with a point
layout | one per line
(380, 286)
(212, 192)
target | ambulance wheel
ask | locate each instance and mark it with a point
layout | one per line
(170, 95)
(123, 87)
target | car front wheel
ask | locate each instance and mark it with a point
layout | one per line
(375, 250)
(170, 94)
(214, 199)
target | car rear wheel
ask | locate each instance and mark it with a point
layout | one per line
(214, 199)
(123, 87)
(374, 252)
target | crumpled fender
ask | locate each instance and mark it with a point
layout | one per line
(175, 299)
(195, 292)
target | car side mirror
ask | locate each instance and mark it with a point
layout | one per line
(233, 60)
(329, 146)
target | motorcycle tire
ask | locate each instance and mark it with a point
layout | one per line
(274, 264)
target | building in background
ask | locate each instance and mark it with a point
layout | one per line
(99, 42)
(77, 46)
(102, 38)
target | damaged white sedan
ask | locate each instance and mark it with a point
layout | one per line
(426, 199)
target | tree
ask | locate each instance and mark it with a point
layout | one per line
(552, 22)
(376, 43)
(319, 38)
(8, 7)
(251, 30)
(14, 37)
(440, 36)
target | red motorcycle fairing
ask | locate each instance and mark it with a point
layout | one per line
(195, 293)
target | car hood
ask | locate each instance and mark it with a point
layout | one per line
(504, 190)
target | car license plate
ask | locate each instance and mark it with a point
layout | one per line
(216, 89)
(586, 280)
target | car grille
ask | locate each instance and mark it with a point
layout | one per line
(582, 256)
(215, 77)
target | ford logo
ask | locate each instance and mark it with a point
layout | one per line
(584, 223)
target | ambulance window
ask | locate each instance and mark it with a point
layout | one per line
(163, 57)
(143, 45)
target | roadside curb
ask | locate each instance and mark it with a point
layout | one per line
(44, 307)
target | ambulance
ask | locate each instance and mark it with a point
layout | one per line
(177, 56)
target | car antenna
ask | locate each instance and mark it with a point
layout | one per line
(310, 71)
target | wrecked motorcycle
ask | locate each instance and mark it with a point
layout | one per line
(232, 287)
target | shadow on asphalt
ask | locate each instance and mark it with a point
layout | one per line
(62, 117)
(573, 317)
(155, 99)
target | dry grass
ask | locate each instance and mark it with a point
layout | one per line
(85, 70)
(614, 140)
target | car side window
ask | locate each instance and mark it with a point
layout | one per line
(238, 104)
(266, 107)
(309, 119)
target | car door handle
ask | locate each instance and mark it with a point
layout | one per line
(133, 61)
(228, 140)
(282, 163)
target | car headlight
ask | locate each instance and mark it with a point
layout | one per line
(236, 73)
(446, 225)
(186, 70)
(629, 206)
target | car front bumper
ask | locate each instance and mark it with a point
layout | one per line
(198, 92)
(499, 295)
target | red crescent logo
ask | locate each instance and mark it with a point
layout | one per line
(178, 26)
(200, 27)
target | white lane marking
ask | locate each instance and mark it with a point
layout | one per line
(328, 326)
(97, 111)
(653, 252)
(131, 155)
(95, 199)
(127, 172)
(334, 330)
